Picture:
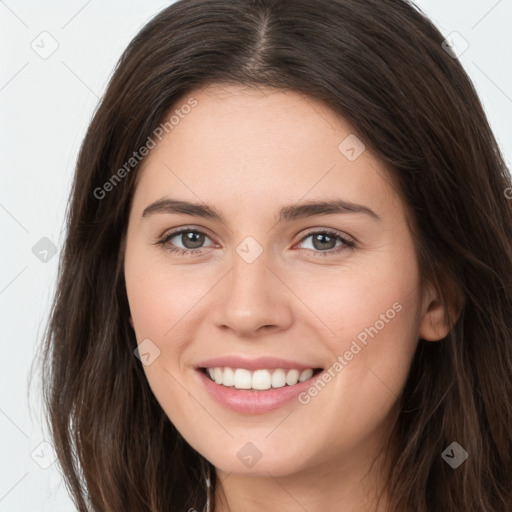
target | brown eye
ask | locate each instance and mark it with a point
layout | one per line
(192, 239)
(323, 241)
(185, 241)
(326, 242)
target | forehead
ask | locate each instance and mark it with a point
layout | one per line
(254, 147)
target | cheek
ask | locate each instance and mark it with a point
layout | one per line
(161, 295)
(347, 301)
(369, 320)
(161, 305)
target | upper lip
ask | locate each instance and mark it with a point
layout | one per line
(263, 362)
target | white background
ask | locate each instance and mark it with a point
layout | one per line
(45, 107)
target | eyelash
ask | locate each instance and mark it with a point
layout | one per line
(347, 243)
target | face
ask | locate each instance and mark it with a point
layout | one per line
(317, 309)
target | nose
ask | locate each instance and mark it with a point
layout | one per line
(253, 299)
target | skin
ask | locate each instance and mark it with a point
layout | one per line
(247, 153)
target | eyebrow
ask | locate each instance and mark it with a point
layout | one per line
(289, 212)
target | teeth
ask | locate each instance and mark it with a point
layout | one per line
(217, 375)
(228, 377)
(278, 378)
(242, 378)
(305, 375)
(261, 379)
(292, 377)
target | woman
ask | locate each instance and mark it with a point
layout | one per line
(286, 283)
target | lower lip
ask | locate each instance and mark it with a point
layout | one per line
(251, 401)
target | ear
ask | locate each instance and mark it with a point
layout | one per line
(435, 324)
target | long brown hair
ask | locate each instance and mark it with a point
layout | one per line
(381, 65)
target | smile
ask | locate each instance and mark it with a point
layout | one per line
(260, 379)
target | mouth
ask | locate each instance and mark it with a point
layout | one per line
(260, 379)
(256, 391)
(256, 385)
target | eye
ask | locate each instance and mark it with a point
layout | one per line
(191, 241)
(324, 242)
